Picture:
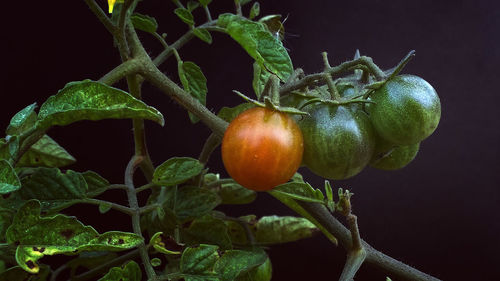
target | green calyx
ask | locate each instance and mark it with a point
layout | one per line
(271, 98)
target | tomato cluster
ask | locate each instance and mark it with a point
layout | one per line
(341, 139)
(263, 148)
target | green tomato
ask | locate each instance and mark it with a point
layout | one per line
(338, 140)
(388, 156)
(406, 110)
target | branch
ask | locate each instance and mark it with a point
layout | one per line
(162, 82)
(212, 142)
(357, 254)
(136, 220)
(118, 207)
(334, 72)
(394, 267)
(180, 42)
(126, 68)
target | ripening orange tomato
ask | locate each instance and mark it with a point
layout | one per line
(262, 148)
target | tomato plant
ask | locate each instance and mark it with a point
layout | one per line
(338, 140)
(262, 148)
(406, 110)
(177, 231)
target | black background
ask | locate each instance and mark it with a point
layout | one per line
(439, 214)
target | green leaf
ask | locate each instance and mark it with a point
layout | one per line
(205, 3)
(176, 170)
(39, 236)
(194, 82)
(299, 191)
(22, 121)
(254, 11)
(104, 207)
(274, 229)
(208, 230)
(13, 146)
(46, 153)
(234, 262)
(6, 217)
(192, 202)
(185, 15)
(159, 242)
(191, 5)
(259, 43)
(330, 204)
(260, 78)
(144, 23)
(4, 149)
(263, 272)
(199, 260)
(203, 34)
(292, 204)
(229, 113)
(234, 193)
(91, 100)
(57, 190)
(8, 178)
(131, 272)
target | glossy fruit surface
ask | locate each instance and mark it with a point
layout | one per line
(262, 148)
(388, 156)
(338, 140)
(406, 110)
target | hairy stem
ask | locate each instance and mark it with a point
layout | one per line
(157, 78)
(141, 148)
(126, 68)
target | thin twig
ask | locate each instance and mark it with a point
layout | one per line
(212, 142)
(118, 207)
(219, 183)
(145, 187)
(180, 42)
(55, 273)
(103, 267)
(334, 72)
(136, 221)
(101, 15)
(207, 12)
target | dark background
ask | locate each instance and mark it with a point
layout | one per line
(439, 214)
